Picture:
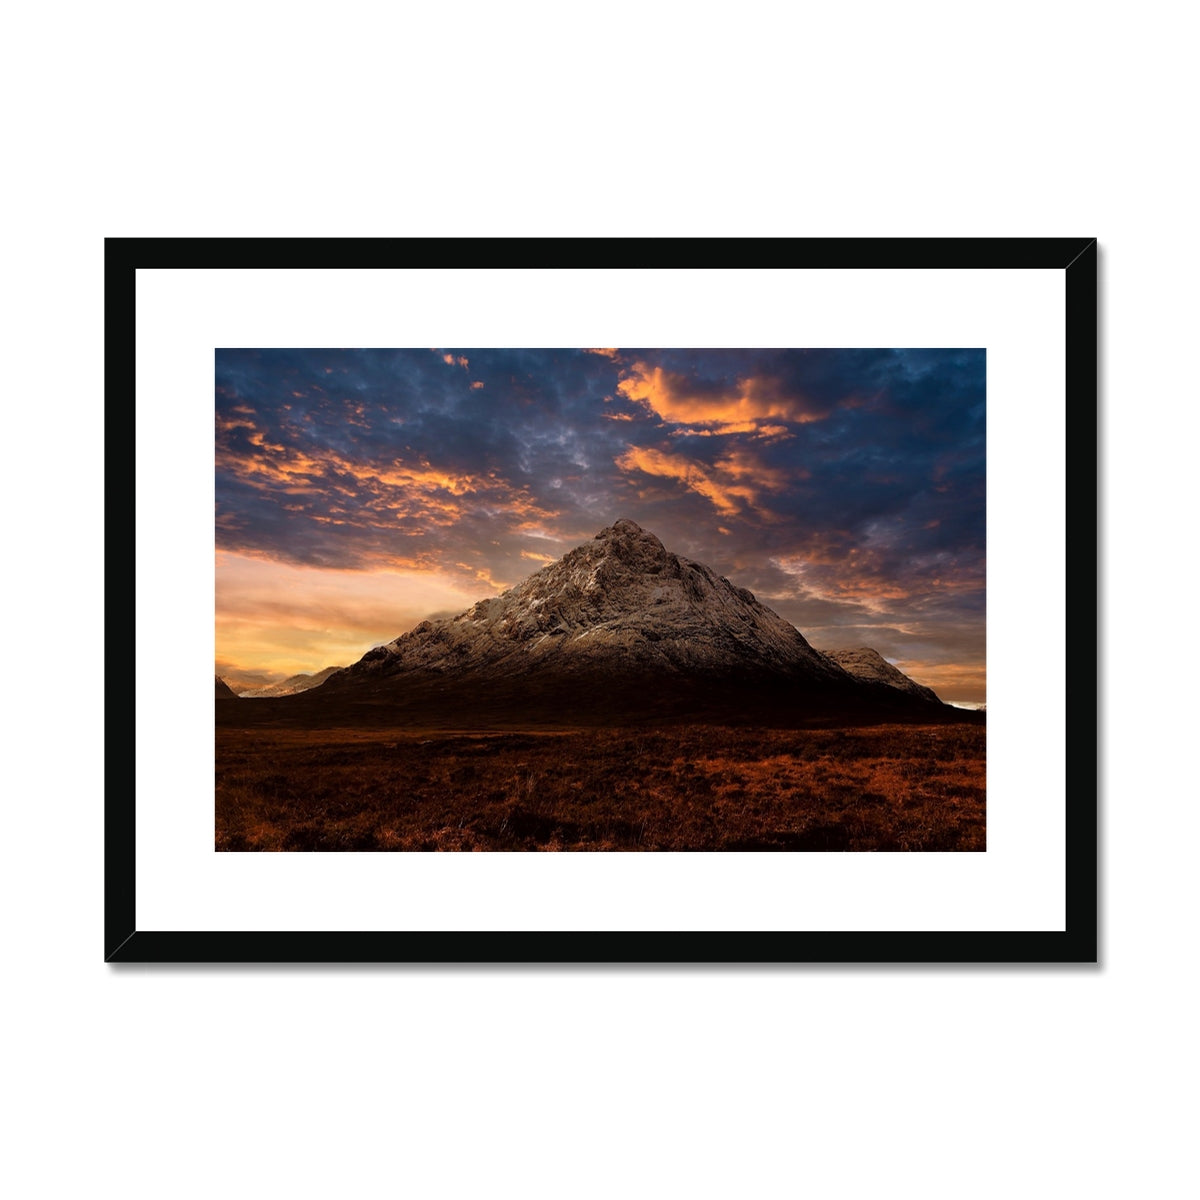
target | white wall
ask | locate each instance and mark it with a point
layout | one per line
(927, 119)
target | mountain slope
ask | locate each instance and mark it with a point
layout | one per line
(224, 691)
(869, 665)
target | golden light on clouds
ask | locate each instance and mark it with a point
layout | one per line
(858, 584)
(760, 431)
(731, 485)
(743, 409)
(742, 463)
(376, 496)
(692, 475)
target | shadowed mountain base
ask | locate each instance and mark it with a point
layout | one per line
(584, 700)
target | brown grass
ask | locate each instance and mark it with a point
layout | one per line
(691, 788)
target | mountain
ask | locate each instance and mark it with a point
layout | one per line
(618, 602)
(620, 628)
(224, 691)
(290, 686)
(867, 664)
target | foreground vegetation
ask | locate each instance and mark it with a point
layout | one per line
(889, 787)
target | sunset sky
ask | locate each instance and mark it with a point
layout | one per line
(360, 491)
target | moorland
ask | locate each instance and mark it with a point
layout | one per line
(877, 787)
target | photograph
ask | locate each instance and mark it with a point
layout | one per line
(600, 599)
(743, 451)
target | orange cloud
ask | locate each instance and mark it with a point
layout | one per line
(483, 575)
(759, 431)
(732, 484)
(823, 573)
(725, 499)
(742, 463)
(259, 440)
(477, 385)
(384, 493)
(279, 466)
(421, 477)
(755, 399)
(604, 353)
(448, 359)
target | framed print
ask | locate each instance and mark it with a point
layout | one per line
(760, 616)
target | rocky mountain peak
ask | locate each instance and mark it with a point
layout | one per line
(629, 542)
(619, 602)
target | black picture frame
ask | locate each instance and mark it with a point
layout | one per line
(1077, 942)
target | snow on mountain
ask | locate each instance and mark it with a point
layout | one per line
(617, 603)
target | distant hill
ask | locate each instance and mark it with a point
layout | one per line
(224, 691)
(289, 687)
(242, 681)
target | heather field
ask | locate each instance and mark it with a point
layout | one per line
(699, 787)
